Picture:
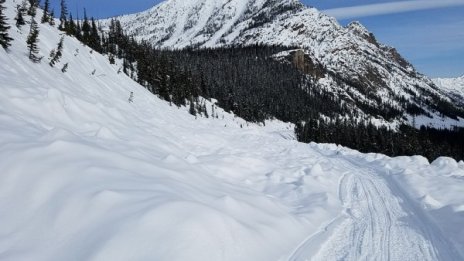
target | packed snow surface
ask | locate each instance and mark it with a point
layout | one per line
(86, 175)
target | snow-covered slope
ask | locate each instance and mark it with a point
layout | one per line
(86, 175)
(356, 66)
(454, 87)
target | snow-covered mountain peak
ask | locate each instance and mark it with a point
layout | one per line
(361, 31)
(182, 4)
(358, 28)
(177, 23)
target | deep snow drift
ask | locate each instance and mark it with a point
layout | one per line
(86, 175)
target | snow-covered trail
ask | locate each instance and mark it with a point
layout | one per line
(379, 222)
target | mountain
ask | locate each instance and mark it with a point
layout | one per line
(454, 87)
(88, 175)
(347, 61)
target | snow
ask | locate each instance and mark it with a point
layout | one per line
(86, 175)
(454, 87)
(436, 121)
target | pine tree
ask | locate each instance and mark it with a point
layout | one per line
(192, 107)
(19, 17)
(71, 28)
(51, 20)
(52, 54)
(78, 33)
(5, 39)
(111, 59)
(56, 55)
(205, 111)
(65, 68)
(32, 41)
(95, 37)
(33, 4)
(125, 66)
(46, 12)
(86, 29)
(63, 15)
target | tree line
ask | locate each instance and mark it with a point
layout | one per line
(367, 137)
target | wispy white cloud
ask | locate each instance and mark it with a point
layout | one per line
(390, 8)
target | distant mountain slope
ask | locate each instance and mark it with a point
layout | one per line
(454, 87)
(351, 61)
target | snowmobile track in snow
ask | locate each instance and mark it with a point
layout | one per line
(378, 222)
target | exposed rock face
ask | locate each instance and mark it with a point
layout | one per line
(347, 60)
(305, 64)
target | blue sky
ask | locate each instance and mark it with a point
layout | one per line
(428, 33)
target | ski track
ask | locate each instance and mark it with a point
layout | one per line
(378, 222)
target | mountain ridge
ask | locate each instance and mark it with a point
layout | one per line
(355, 63)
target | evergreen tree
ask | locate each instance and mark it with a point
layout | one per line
(86, 29)
(95, 37)
(71, 28)
(52, 54)
(63, 15)
(32, 41)
(5, 39)
(65, 68)
(192, 107)
(56, 55)
(46, 12)
(78, 30)
(19, 17)
(33, 4)
(111, 59)
(51, 20)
